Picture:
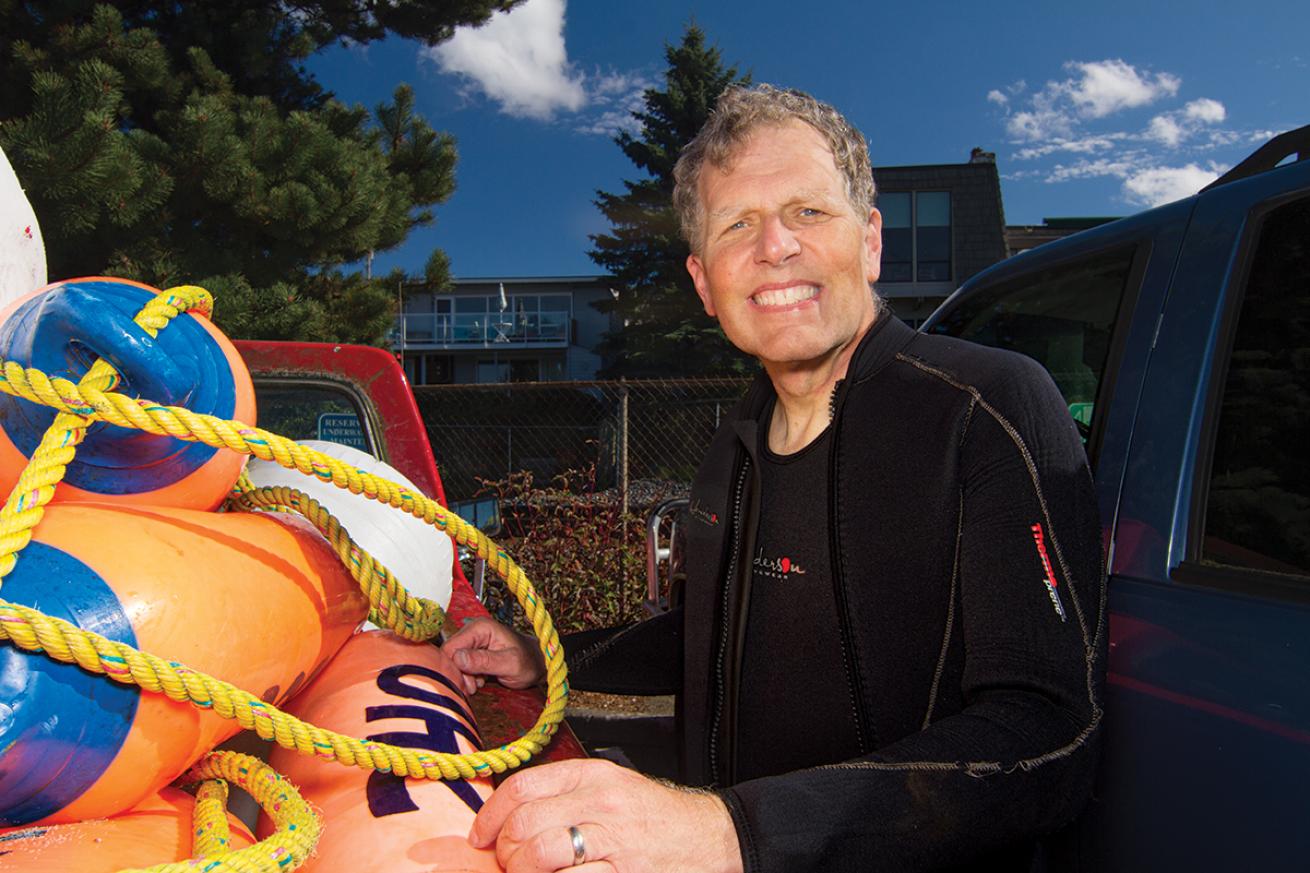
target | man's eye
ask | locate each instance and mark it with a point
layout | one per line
(810, 211)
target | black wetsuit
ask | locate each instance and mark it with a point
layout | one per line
(968, 589)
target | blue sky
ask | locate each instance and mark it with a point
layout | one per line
(1103, 110)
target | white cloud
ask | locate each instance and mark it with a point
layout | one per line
(1206, 111)
(1144, 182)
(1085, 169)
(1164, 129)
(1084, 145)
(1111, 85)
(1174, 128)
(1038, 124)
(1220, 138)
(1263, 136)
(610, 123)
(617, 96)
(518, 59)
(623, 84)
(1157, 185)
(1099, 89)
(1081, 128)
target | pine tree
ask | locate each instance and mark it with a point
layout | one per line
(185, 142)
(665, 330)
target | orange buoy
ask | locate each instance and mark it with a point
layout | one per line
(61, 329)
(258, 600)
(156, 831)
(389, 690)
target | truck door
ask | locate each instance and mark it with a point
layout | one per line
(1207, 762)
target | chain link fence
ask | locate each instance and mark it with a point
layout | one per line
(645, 438)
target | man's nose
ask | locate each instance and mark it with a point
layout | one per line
(777, 242)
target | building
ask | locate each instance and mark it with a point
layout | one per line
(510, 329)
(941, 224)
(1022, 237)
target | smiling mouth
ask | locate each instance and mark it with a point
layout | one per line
(785, 296)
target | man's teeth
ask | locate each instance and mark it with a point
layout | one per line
(786, 296)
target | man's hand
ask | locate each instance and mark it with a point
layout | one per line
(483, 648)
(626, 823)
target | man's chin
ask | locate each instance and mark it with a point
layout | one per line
(794, 354)
(797, 357)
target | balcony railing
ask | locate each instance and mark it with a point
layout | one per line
(443, 329)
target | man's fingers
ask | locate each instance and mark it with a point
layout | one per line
(554, 849)
(539, 822)
(526, 786)
(489, 662)
(471, 684)
(477, 633)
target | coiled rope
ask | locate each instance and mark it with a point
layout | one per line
(297, 825)
(92, 399)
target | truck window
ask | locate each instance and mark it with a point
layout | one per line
(312, 411)
(1063, 317)
(1258, 504)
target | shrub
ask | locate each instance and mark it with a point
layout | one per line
(584, 555)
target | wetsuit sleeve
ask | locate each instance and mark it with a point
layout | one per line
(1017, 760)
(644, 658)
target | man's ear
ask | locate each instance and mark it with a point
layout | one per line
(873, 245)
(699, 279)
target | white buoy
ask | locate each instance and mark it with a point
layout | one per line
(417, 554)
(22, 251)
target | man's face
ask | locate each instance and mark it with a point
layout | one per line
(785, 263)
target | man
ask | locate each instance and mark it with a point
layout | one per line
(893, 637)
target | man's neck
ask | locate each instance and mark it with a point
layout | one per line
(805, 395)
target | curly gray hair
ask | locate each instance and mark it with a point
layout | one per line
(739, 112)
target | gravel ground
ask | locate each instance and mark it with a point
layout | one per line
(617, 705)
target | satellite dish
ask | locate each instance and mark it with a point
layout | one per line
(22, 251)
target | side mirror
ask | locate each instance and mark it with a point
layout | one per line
(484, 514)
(663, 555)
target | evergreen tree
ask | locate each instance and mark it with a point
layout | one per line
(665, 330)
(185, 142)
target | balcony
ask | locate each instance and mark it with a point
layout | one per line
(476, 330)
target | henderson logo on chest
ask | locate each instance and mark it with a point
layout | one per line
(783, 568)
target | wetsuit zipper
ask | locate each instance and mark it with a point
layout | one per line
(726, 626)
(839, 590)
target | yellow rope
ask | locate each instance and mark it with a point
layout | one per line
(211, 834)
(297, 825)
(391, 605)
(92, 399)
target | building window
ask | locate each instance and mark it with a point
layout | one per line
(470, 320)
(540, 317)
(423, 369)
(427, 319)
(525, 318)
(916, 236)
(511, 370)
(480, 319)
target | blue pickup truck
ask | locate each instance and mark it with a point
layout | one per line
(1180, 338)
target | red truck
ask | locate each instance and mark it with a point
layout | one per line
(358, 395)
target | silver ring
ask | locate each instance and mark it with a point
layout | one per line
(579, 847)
